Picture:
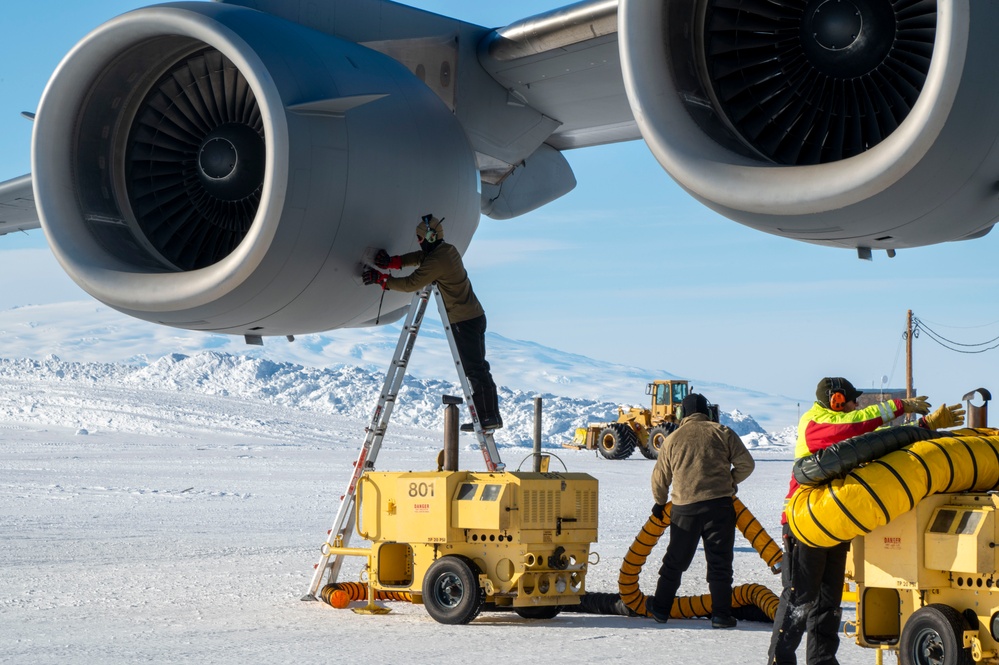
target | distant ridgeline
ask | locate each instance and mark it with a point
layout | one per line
(343, 390)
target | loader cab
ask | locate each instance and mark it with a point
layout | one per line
(666, 396)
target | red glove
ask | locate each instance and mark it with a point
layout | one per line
(383, 260)
(372, 276)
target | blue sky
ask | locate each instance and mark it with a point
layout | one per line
(626, 268)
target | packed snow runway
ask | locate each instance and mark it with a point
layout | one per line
(194, 540)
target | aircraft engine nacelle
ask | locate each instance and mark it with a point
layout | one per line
(854, 123)
(212, 167)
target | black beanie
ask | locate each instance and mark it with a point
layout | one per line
(694, 403)
(831, 384)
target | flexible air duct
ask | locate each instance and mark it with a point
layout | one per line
(698, 606)
(875, 494)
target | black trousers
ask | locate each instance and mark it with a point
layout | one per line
(716, 527)
(470, 338)
(813, 592)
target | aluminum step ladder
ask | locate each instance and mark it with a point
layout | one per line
(343, 524)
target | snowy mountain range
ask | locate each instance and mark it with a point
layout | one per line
(90, 354)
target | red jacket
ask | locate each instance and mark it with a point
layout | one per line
(821, 427)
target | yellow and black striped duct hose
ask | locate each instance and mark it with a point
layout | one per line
(698, 606)
(874, 494)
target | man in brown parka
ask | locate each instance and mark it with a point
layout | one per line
(702, 462)
(440, 262)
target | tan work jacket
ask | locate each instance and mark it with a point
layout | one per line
(443, 265)
(699, 461)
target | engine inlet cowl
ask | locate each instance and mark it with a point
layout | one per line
(195, 160)
(816, 81)
(212, 167)
(868, 124)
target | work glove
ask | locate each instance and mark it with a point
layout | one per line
(916, 405)
(657, 511)
(372, 276)
(945, 417)
(383, 260)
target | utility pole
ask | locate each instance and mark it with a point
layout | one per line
(908, 356)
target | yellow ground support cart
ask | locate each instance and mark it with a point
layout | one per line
(455, 540)
(927, 582)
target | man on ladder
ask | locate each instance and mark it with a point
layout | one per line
(464, 321)
(438, 261)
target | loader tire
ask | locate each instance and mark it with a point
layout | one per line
(617, 441)
(657, 436)
(933, 636)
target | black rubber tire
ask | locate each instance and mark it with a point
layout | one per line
(451, 591)
(539, 612)
(657, 435)
(617, 441)
(933, 636)
(600, 603)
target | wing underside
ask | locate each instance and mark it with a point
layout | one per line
(17, 206)
(565, 64)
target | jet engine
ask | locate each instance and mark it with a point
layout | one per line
(854, 123)
(216, 168)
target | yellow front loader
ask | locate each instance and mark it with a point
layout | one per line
(645, 429)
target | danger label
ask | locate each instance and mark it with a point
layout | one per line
(893, 542)
(421, 507)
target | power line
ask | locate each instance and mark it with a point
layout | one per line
(945, 325)
(951, 345)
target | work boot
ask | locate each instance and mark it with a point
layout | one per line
(489, 415)
(486, 424)
(491, 421)
(654, 612)
(723, 622)
(485, 406)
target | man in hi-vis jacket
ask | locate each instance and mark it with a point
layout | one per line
(813, 577)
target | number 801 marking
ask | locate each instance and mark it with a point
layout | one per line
(421, 489)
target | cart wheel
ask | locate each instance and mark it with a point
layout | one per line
(451, 591)
(933, 636)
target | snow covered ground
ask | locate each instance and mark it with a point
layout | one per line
(163, 496)
(144, 524)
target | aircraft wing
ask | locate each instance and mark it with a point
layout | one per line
(566, 64)
(228, 166)
(17, 206)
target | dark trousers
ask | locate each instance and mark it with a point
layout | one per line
(470, 338)
(813, 592)
(716, 527)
